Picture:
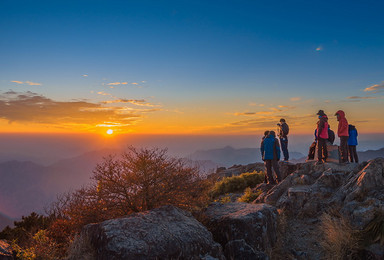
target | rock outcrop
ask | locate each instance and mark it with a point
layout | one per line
(354, 192)
(163, 233)
(242, 229)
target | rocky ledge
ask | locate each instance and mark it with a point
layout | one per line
(249, 231)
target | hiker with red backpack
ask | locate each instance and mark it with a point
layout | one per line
(322, 137)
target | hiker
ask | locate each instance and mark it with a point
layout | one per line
(266, 133)
(331, 135)
(283, 136)
(312, 148)
(342, 133)
(352, 143)
(322, 137)
(270, 152)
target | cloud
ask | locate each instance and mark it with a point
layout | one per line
(104, 93)
(243, 113)
(30, 83)
(359, 98)
(253, 104)
(294, 99)
(375, 88)
(287, 107)
(261, 123)
(29, 107)
(117, 83)
(138, 102)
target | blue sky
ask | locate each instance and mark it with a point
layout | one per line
(205, 66)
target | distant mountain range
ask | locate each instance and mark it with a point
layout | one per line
(27, 186)
(5, 221)
(229, 156)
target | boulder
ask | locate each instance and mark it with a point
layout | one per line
(253, 223)
(5, 251)
(239, 249)
(163, 233)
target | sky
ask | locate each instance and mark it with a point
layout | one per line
(189, 67)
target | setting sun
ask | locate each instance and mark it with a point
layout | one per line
(109, 131)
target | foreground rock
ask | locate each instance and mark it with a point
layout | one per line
(163, 233)
(351, 193)
(245, 230)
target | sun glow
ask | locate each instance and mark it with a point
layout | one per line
(109, 131)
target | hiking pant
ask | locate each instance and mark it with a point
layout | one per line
(344, 148)
(353, 153)
(322, 152)
(268, 165)
(284, 147)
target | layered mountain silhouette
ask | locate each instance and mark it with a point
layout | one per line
(5, 221)
(27, 186)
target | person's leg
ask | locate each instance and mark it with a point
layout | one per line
(354, 152)
(319, 150)
(350, 148)
(276, 168)
(322, 150)
(284, 148)
(268, 166)
(344, 148)
(325, 150)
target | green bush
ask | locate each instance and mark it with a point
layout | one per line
(249, 195)
(237, 183)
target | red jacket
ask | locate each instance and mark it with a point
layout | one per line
(342, 130)
(322, 127)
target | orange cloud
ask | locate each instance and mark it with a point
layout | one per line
(29, 107)
(30, 83)
(375, 88)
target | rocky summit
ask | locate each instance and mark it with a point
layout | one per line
(284, 222)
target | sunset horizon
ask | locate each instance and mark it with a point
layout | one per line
(181, 67)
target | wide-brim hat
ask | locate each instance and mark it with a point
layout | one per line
(320, 113)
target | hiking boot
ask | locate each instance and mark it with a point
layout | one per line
(319, 162)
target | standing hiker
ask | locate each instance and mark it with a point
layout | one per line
(270, 152)
(322, 137)
(266, 133)
(342, 133)
(283, 131)
(352, 143)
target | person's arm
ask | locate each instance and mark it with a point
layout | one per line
(262, 149)
(277, 149)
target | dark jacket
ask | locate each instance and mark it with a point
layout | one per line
(352, 140)
(270, 148)
(283, 130)
(331, 136)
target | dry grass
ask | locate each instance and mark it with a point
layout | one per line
(340, 240)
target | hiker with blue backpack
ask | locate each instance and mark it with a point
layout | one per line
(270, 152)
(352, 143)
